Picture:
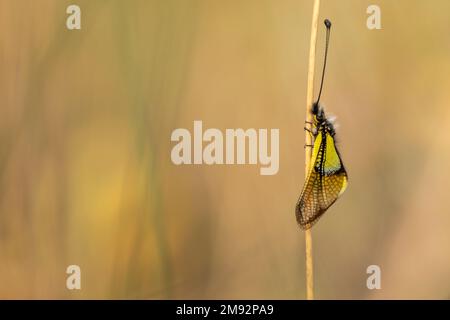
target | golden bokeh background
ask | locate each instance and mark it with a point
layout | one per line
(86, 176)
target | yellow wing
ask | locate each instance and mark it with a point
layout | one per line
(326, 181)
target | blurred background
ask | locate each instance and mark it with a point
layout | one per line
(86, 176)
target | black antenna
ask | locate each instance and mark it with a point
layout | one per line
(328, 25)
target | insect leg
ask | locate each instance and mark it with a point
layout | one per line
(312, 131)
(310, 123)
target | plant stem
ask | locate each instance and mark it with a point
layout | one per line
(308, 141)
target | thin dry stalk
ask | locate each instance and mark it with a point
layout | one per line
(308, 141)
